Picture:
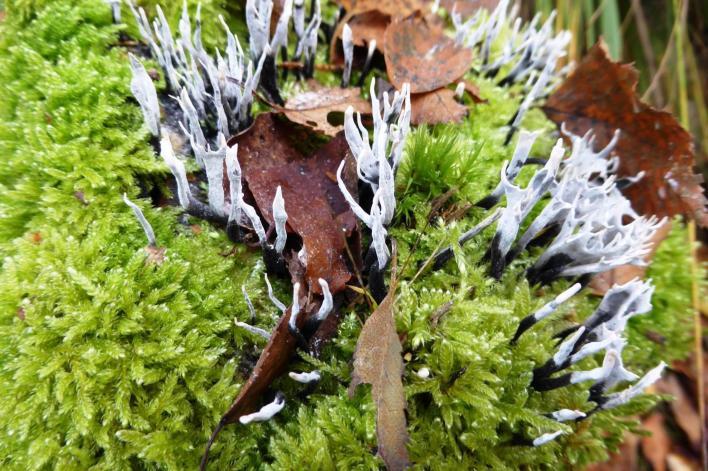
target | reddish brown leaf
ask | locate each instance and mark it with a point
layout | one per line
(423, 56)
(468, 7)
(394, 8)
(656, 446)
(473, 91)
(625, 459)
(312, 108)
(684, 412)
(600, 95)
(367, 26)
(438, 106)
(270, 155)
(377, 361)
(602, 282)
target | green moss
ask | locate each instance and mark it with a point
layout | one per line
(110, 361)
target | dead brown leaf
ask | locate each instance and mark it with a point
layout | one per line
(656, 446)
(601, 95)
(438, 106)
(394, 8)
(683, 410)
(602, 282)
(312, 108)
(377, 361)
(468, 8)
(625, 459)
(423, 56)
(155, 255)
(271, 154)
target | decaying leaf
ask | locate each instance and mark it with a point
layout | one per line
(656, 447)
(367, 26)
(624, 459)
(378, 361)
(438, 106)
(684, 412)
(312, 108)
(394, 8)
(600, 96)
(468, 8)
(271, 154)
(602, 282)
(421, 54)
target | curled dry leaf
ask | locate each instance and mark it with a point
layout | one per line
(684, 412)
(271, 154)
(602, 282)
(378, 361)
(438, 106)
(313, 108)
(367, 26)
(600, 95)
(421, 54)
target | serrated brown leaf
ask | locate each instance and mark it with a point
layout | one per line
(312, 108)
(378, 362)
(271, 154)
(438, 106)
(600, 95)
(420, 54)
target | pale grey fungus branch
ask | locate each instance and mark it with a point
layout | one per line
(547, 437)
(623, 397)
(280, 217)
(327, 302)
(295, 309)
(249, 304)
(278, 303)
(348, 47)
(147, 228)
(266, 412)
(565, 415)
(177, 168)
(305, 377)
(143, 90)
(253, 329)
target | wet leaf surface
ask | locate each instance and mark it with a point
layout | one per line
(601, 95)
(421, 54)
(271, 154)
(312, 108)
(438, 106)
(378, 361)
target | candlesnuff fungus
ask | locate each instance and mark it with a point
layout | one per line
(253, 329)
(305, 377)
(249, 304)
(565, 415)
(548, 309)
(586, 224)
(149, 233)
(367, 63)
(348, 47)
(327, 302)
(279, 304)
(266, 412)
(280, 217)
(144, 91)
(546, 437)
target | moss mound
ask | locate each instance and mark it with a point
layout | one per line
(111, 361)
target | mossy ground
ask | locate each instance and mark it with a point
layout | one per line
(109, 361)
